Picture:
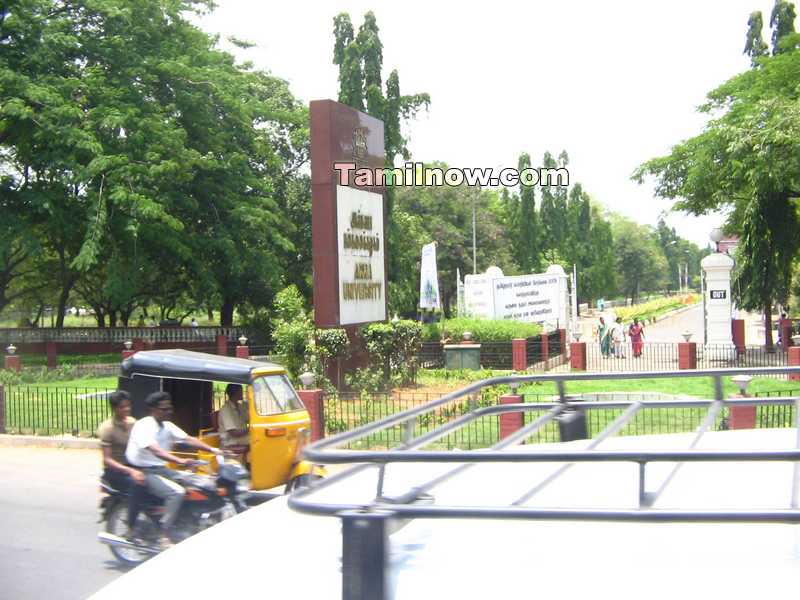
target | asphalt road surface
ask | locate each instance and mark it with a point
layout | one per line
(48, 525)
(671, 328)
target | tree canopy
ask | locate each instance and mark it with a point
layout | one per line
(146, 174)
(747, 161)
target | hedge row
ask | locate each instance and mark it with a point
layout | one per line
(483, 330)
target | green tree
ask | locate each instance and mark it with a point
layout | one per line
(444, 213)
(360, 62)
(553, 215)
(747, 161)
(600, 274)
(755, 46)
(526, 234)
(124, 158)
(640, 263)
(782, 22)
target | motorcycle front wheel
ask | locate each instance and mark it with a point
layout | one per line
(117, 524)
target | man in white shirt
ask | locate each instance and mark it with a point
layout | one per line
(149, 449)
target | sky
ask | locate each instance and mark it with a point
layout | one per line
(613, 83)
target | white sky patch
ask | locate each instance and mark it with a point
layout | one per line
(612, 83)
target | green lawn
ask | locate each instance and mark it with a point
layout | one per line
(700, 387)
(40, 360)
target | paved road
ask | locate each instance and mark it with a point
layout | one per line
(670, 328)
(48, 524)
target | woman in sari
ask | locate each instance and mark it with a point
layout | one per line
(604, 338)
(636, 333)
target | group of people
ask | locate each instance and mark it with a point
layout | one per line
(612, 338)
(136, 453)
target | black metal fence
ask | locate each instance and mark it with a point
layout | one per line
(46, 410)
(344, 412)
(52, 410)
(663, 356)
(495, 355)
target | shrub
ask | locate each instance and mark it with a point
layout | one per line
(393, 347)
(483, 330)
(294, 330)
(654, 308)
(332, 343)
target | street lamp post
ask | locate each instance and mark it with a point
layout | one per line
(474, 235)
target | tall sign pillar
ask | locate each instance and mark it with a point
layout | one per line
(347, 219)
(717, 269)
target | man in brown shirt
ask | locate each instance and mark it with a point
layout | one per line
(114, 434)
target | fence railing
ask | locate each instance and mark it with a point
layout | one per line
(52, 410)
(45, 410)
(117, 335)
(344, 412)
(495, 355)
(655, 356)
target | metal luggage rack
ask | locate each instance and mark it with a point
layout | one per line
(365, 527)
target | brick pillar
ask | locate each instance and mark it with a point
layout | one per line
(13, 362)
(545, 347)
(793, 360)
(687, 355)
(519, 354)
(138, 344)
(510, 421)
(313, 400)
(786, 332)
(577, 356)
(2, 409)
(742, 416)
(52, 354)
(242, 351)
(222, 345)
(128, 353)
(737, 329)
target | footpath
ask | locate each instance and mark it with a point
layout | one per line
(66, 442)
(670, 327)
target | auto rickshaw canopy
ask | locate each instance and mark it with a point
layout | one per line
(185, 364)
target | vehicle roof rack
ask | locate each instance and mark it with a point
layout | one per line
(365, 527)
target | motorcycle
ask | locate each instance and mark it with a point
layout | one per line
(209, 500)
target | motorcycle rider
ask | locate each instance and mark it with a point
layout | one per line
(149, 449)
(114, 434)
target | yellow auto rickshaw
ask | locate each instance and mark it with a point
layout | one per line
(279, 424)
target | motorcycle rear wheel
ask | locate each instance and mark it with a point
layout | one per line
(117, 524)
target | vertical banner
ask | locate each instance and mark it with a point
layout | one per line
(428, 278)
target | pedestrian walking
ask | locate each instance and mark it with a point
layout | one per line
(604, 338)
(636, 333)
(618, 338)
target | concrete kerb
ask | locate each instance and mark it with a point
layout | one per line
(67, 442)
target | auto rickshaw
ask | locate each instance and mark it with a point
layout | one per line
(279, 423)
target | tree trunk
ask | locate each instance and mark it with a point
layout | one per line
(226, 313)
(768, 344)
(63, 297)
(446, 298)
